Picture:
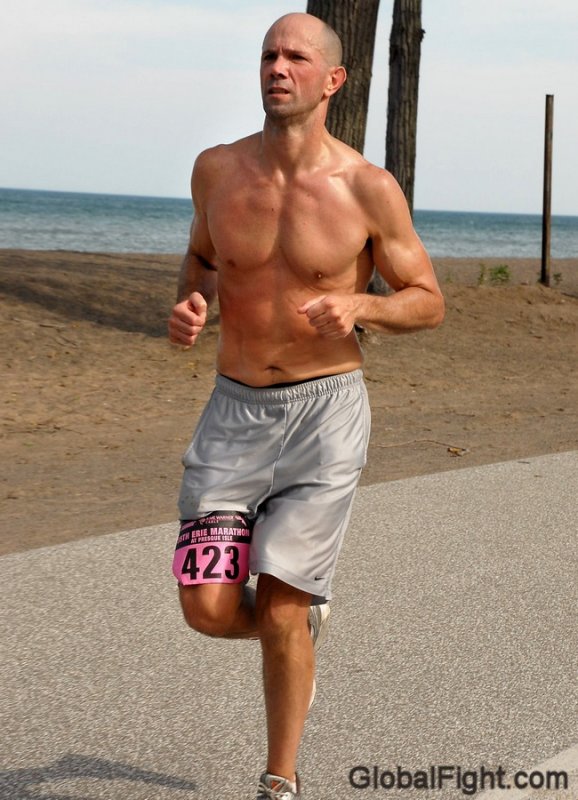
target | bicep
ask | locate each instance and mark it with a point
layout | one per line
(200, 244)
(403, 262)
(198, 271)
(398, 253)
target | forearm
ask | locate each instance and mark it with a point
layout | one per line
(196, 275)
(411, 309)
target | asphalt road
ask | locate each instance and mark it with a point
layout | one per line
(453, 643)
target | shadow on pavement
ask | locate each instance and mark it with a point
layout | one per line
(18, 784)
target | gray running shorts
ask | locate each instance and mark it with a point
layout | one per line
(289, 459)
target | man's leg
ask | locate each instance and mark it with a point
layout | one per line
(220, 609)
(288, 669)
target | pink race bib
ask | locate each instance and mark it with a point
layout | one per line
(213, 549)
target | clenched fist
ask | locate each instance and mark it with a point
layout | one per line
(187, 320)
(332, 315)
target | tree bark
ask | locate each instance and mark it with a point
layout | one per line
(404, 60)
(355, 22)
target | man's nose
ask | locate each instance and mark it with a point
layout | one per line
(279, 67)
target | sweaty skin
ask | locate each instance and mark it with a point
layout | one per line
(288, 225)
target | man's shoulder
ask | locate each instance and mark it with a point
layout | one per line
(361, 174)
(217, 164)
(375, 187)
(222, 154)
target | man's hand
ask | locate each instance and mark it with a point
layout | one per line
(332, 315)
(187, 320)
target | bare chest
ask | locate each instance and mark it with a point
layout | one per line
(309, 229)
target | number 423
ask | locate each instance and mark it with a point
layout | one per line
(229, 570)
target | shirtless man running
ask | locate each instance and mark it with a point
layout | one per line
(288, 226)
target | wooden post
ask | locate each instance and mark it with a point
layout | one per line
(547, 205)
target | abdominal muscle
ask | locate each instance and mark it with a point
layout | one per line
(264, 340)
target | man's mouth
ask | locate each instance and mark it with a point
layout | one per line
(277, 90)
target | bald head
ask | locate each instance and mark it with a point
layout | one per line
(318, 32)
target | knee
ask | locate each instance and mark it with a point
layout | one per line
(205, 612)
(282, 615)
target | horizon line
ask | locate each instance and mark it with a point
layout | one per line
(188, 199)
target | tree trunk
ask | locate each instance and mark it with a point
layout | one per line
(404, 58)
(355, 22)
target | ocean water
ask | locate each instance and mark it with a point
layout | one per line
(117, 224)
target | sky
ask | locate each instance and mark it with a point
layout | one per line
(119, 96)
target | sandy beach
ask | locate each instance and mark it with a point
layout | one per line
(97, 407)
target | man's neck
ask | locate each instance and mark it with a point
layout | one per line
(294, 147)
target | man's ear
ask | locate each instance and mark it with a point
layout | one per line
(337, 78)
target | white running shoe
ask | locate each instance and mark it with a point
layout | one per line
(283, 789)
(318, 617)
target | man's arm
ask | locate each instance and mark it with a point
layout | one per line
(400, 258)
(197, 284)
(197, 274)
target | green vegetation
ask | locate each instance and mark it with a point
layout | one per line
(497, 276)
(500, 275)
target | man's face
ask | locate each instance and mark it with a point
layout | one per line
(294, 68)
